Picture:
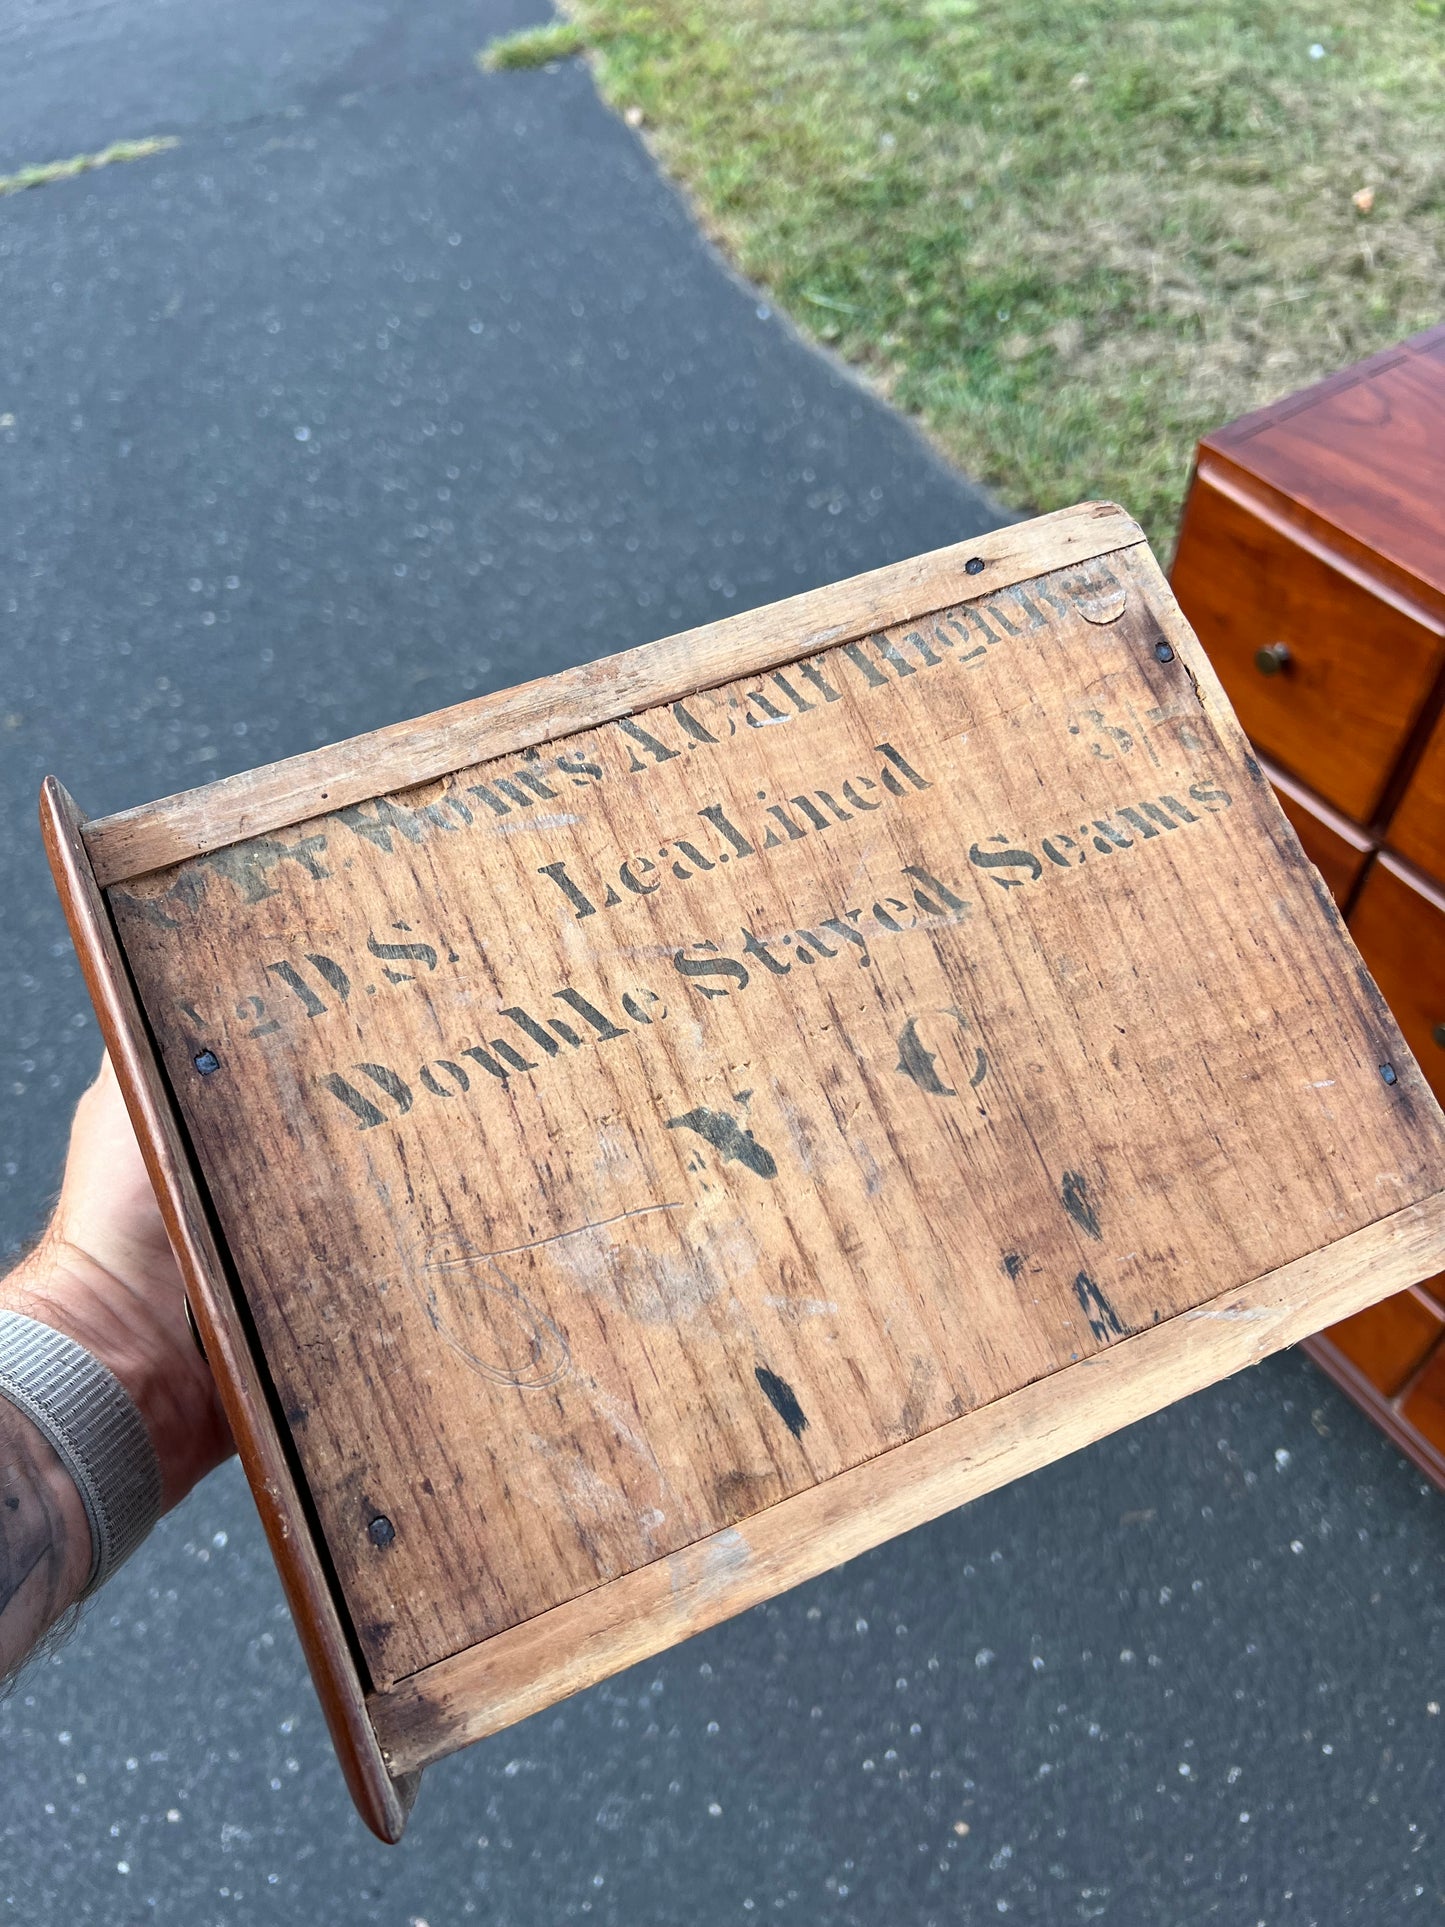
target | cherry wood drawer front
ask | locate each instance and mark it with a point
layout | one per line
(1399, 925)
(1356, 669)
(1390, 1341)
(1417, 829)
(1337, 849)
(1424, 1408)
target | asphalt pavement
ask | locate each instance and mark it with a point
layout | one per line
(390, 384)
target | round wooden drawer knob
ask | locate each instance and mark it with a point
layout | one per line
(1272, 659)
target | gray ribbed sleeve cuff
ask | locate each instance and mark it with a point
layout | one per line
(90, 1419)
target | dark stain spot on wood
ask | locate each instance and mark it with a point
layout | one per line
(783, 1399)
(297, 1415)
(11, 1502)
(915, 1060)
(381, 1531)
(1012, 1265)
(1325, 900)
(728, 1138)
(1078, 1204)
(1103, 1319)
(1256, 773)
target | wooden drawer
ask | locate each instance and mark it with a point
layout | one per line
(1417, 829)
(1359, 665)
(1389, 1342)
(1338, 848)
(1399, 925)
(1424, 1408)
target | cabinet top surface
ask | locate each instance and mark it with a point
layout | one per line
(1364, 452)
(615, 1137)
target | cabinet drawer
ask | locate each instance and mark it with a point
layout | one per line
(1338, 849)
(1417, 829)
(1399, 925)
(1424, 1409)
(1390, 1341)
(1356, 667)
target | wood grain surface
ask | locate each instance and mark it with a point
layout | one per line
(625, 1135)
(525, 1669)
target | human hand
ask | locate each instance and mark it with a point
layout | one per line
(104, 1274)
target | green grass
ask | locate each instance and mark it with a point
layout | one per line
(42, 173)
(532, 47)
(1071, 235)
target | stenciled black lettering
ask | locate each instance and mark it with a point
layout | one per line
(377, 821)
(531, 1028)
(870, 671)
(813, 675)
(757, 948)
(287, 974)
(453, 1070)
(770, 711)
(361, 1108)
(658, 751)
(1210, 796)
(1006, 859)
(890, 781)
(712, 965)
(558, 873)
(625, 877)
(582, 772)
(248, 865)
(949, 899)
(1184, 815)
(390, 953)
(800, 703)
(714, 814)
(691, 725)
(589, 1013)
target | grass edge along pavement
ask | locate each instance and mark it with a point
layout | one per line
(42, 173)
(1070, 236)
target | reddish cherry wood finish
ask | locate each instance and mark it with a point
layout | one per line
(1417, 829)
(1357, 457)
(1399, 924)
(1389, 1342)
(1319, 522)
(1338, 848)
(1252, 586)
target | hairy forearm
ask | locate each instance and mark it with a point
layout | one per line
(45, 1546)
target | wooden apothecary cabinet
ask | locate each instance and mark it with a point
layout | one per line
(1311, 563)
(639, 1139)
